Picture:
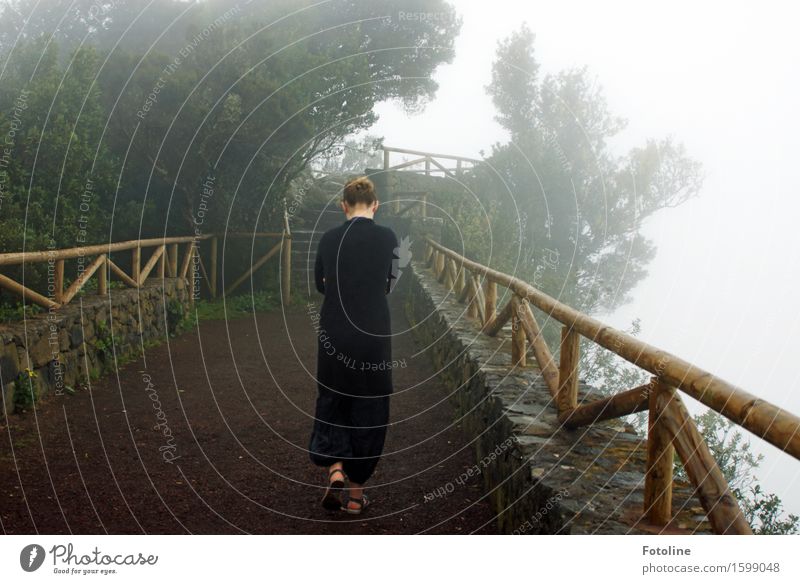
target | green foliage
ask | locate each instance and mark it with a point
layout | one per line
(202, 129)
(18, 311)
(103, 342)
(179, 318)
(765, 511)
(26, 390)
(237, 306)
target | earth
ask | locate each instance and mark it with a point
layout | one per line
(207, 434)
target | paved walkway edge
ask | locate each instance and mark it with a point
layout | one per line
(540, 478)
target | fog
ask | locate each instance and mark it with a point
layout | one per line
(722, 79)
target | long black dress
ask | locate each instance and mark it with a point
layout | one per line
(355, 268)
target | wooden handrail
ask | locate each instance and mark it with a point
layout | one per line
(767, 421)
(430, 154)
(23, 257)
(670, 428)
(165, 256)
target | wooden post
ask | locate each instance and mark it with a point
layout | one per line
(427, 166)
(449, 278)
(28, 294)
(84, 276)
(493, 327)
(440, 267)
(261, 261)
(59, 283)
(490, 309)
(660, 455)
(544, 357)
(162, 263)
(122, 275)
(102, 278)
(424, 209)
(472, 297)
(618, 405)
(461, 282)
(567, 397)
(136, 262)
(148, 267)
(213, 267)
(386, 159)
(711, 487)
(517, 334)
(173, 260)
(286, 270)
(454, 277)
(458, 167)
(187, 258)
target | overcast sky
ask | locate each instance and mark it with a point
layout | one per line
(721, 78)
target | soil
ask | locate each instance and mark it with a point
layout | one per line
(237, 397)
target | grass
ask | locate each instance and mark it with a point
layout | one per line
(237, 306)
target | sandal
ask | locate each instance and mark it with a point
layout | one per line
(332, 500)
(363, 503)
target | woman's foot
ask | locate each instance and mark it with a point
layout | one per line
(332, 499)
(356, 505)
(356, 501)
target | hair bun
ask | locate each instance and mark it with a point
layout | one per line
(359, 190)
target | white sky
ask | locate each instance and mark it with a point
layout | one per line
(721, 78)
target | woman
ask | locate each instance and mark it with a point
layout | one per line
(354, 269)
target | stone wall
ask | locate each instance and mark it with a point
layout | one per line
(65, 347)
(540, 478)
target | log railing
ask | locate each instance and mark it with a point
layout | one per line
(162, 257)
(433, 164)
(430, 164)
(670, 428)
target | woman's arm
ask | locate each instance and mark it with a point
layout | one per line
(394, 270)
(319, 272)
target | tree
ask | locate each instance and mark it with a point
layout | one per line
(352, 156)
(562, 193)
(59, 178)
(246, 104)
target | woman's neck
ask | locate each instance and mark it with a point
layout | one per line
(367, 213)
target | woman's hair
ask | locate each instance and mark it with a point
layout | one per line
(359, 191)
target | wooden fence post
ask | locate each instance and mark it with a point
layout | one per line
(162, 264)
(490, 308)
(102, 279)
(472, 297)
(517, 334)
(711, 486)
(173, 260)
(569, 358)
(660, 455)
(59, 283)
(136, 262)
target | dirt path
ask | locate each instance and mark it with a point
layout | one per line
(238, 398)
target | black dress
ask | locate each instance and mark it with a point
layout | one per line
(355, 268)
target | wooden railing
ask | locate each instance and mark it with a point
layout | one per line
(163, 259)
(670, 427)
(432, 162)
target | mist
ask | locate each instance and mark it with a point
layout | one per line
(722, 79)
